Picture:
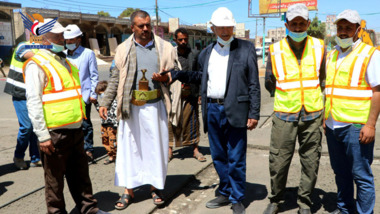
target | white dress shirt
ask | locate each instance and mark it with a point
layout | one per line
(372, 76)
(217, 71)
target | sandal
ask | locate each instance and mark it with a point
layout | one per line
(157, 194)
(108, 161)
(199, 156)
(122, 201)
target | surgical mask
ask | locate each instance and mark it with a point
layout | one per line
(224, 43)
(344, 43)
(71, 47)
(347, 42)
(56, 48)
(297, 37)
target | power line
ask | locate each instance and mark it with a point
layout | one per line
(171, 16)
(196, 5)
(93, 5)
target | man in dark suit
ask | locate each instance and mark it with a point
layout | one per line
(230, 93)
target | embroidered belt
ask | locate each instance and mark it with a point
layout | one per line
(140, 98)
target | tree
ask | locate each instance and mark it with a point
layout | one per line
(128, 12)
(330, 40)
(317, 29)
(103, 13)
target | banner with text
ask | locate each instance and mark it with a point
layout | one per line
(271, 6)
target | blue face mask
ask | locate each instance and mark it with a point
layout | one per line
(71, 47)
(297, 37)
(224, 43)
(56, 48)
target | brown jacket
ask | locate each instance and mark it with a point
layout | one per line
(117, 85)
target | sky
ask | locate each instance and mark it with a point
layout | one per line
(199, 11)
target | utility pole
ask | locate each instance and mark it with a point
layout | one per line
(256, 31)
(156, 18)
(263, 41)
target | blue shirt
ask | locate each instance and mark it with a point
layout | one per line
(85, 60)
(21, 51)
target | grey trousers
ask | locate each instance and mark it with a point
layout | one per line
(282, 146)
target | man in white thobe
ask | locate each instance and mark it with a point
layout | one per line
(142, 154)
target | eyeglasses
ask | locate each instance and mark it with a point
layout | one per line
(180, 40)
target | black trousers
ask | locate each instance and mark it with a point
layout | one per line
(69, 160)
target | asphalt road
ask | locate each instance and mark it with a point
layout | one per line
(189, 185)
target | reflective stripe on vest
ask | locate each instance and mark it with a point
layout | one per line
(17, 69)
(62, 99)
(56, 80)
(348, 95)
(16, 83)
(64, 95)
(297, 85)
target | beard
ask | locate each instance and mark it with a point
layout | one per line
(182, 46)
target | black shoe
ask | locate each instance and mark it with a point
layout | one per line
(272, 208)
(102, 212)
(218, 202)
(337, 211)
(304, 211)
(238, 208)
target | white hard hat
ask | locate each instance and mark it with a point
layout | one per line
(72, 31)
(349, 15)
(57, 27)
(222, 17)
(296, 10)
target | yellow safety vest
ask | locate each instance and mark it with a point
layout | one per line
(297, 85)
(348, 95)
(15, 85)
(62, 100)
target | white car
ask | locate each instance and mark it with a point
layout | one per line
(259, 51)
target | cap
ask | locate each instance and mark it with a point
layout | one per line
(296, 10)
(223, 17)
(57, 27)
(349, 15)
(72, 31)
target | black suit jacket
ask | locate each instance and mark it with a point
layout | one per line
(242, 97)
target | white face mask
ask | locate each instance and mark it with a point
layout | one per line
(344, 43)
(347, 42)
(224, 43)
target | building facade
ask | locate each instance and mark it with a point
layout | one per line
(276, 34)
(102, 28)
(7, 29)
(330, 26)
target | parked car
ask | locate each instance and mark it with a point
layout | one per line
(259, 51)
